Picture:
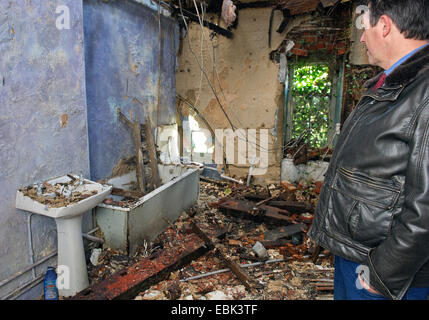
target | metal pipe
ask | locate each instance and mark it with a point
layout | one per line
(224, 176)
(252, 164)
(227, 269)
(93, 219)
(35, 280)
(231, 179)
(285, 108)
(17, 292)
(92, 238)
(30, 243)
(6, 281)
(92, 231)
(33, 265)
(241, 265)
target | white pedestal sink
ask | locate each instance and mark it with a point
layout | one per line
(69, 228)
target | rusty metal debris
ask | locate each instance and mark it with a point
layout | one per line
(229, 224)
(285, 231)
(235, 268)
(261, 212)
(300, 151)
(179, 248)
(247, 209)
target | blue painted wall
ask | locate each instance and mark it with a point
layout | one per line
(59, 90)
(121, 62)
(42, 80)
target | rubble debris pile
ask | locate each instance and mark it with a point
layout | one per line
(249, 243)
(127, 201)
(301, 152)
(124, 281)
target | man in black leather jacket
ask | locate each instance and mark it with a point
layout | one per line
(373, 211)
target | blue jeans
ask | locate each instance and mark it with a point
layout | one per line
(345, 287)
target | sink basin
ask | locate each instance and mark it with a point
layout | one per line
(26, 203)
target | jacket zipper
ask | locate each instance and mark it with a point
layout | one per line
(357, 173)
(396, 191)
(372, 183)
(364, 108)
(353, 125)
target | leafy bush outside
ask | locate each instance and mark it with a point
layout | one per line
(311, 90)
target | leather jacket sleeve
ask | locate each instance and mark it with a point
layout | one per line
(393, 264)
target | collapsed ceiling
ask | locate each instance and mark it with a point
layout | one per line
(294, 6)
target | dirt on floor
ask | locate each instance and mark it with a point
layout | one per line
(290, 273)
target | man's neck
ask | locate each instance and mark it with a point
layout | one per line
(401, 49)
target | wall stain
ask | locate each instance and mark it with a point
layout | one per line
(64, 119)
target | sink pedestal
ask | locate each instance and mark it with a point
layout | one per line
(71, 255)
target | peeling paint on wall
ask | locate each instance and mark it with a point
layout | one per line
(121, 54)
(42, 80)
(64, 120)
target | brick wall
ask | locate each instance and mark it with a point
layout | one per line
(323, 33)
(308, 42)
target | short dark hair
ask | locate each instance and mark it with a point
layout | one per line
(410, 16)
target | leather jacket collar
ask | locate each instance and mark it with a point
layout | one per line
(402, 76)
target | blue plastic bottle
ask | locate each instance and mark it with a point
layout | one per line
(50, 291)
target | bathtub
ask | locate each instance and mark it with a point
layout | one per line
(126, 229)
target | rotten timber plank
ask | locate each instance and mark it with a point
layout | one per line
(316, 253)
(265, 201)
(291, 206)
(325, 288)
(156, 181)
(136, 129)
(139, 156)
(235, 268)
(128, 282)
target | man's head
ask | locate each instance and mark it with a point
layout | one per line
(393, 28)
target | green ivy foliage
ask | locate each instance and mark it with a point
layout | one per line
(311, 90)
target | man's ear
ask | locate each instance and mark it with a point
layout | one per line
(386, 24)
